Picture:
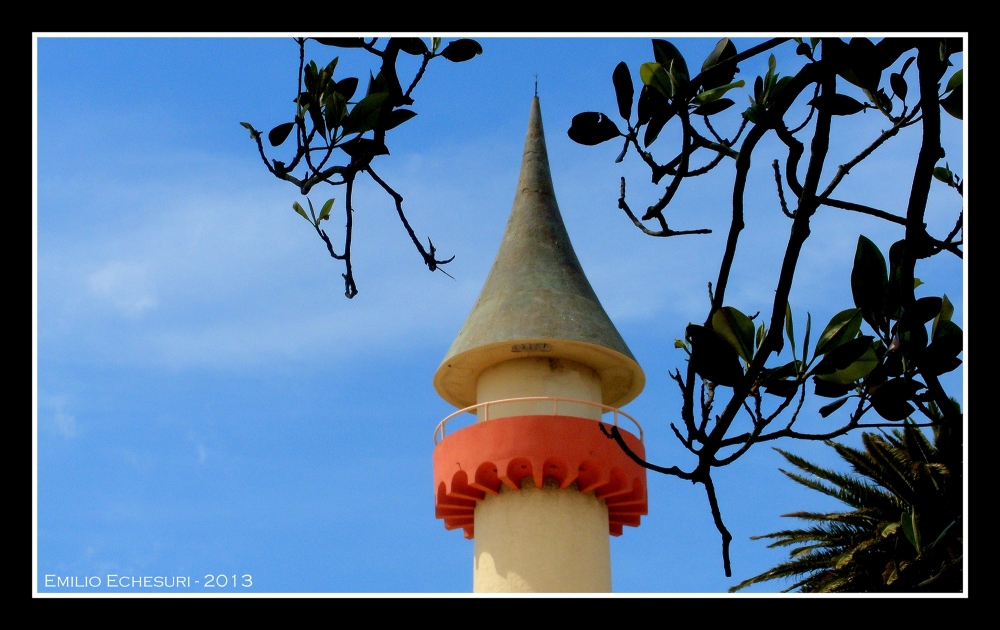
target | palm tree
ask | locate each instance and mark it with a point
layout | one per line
(904, 530)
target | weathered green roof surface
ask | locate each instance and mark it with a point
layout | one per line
(537, 301)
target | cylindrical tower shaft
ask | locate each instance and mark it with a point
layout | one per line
(541, 539)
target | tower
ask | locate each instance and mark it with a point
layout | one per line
(534, 481)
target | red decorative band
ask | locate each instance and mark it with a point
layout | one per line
(476, 460)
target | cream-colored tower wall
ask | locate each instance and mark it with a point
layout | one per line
(538, 376)
(545, 539)
(541, 540)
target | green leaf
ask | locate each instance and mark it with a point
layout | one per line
(365, 113)
(780, 85)
(435, 44)
(714, 75)
(788, 370)
(324, 214)
(941, 356)
(347, 87)
(341, 42)
(864, 66)
(363, 149)
(680, 343)
(761, 333)
(655, 125)
(870, 282)
(889, 399)
(461, 50)
(710, 109)
(857, 370)
(837, 104)
(789, 330)
(712, 358)
(330, 67)
(254, 134)
(280, 133)
(716, 93)
(666, 53)
(828, 389)
(376, 84)
(410, 45)
(943, 174)
(298, 208)
(826, 410)
(655, 76)
(917, 282)
(624, 90)
(947, 310)
(805, 341)
(898, 85)
(924, 310)
(843, 327)
(397, 117)
(736, 329)
(953, 104)
(947, 328)
(954, 82)
(335, 109)
(890, 529)
(910, 530)
(590, 128)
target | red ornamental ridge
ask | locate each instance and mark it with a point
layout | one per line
(477, 459)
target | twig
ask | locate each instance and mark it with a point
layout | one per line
(781, 193)
(616, 435)
(432, 263)
(812, 110)
(350, 288)
(845, 168)
(704, 169)
(420, 73)
(664, 231)
(717, 517)
(857, 207)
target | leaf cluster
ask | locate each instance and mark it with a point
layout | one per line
(337, 132)
(891, 368)
(903, 531)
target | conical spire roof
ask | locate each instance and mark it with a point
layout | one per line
(537, 301)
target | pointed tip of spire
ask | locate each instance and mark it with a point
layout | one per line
(537, 292)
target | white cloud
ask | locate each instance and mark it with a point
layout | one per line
(61, 422)
(126, 286)
(66, 424)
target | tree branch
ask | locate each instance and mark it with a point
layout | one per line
(616, 435)
(781, 193)
(857, 207)
(432, 263)
(664, 229)
(717, 517)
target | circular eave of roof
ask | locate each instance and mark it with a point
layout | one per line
(622, 379)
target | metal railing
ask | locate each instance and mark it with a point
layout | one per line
(485, 406)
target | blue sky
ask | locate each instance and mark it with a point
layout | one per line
(208, 402)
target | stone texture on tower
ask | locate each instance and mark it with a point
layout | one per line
(537, 300)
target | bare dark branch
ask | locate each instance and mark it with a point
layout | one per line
(781, 193)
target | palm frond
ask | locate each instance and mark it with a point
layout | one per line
(848, 551)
